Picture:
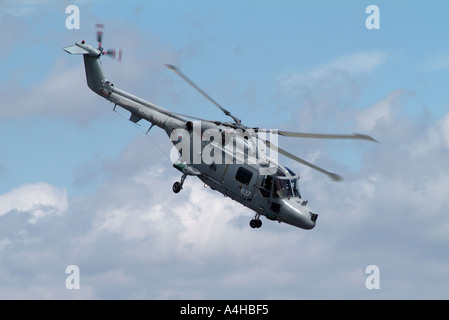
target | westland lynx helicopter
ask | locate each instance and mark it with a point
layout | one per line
(227, 156)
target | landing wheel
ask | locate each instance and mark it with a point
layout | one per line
(177, 187)
(255, 223)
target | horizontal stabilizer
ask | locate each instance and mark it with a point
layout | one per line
(75, 50)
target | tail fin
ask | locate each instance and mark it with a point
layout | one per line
(94, 72)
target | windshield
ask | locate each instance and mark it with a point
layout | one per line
(296, 189)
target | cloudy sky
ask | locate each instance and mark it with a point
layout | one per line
(80, 185)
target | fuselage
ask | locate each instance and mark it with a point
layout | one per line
(235, 162)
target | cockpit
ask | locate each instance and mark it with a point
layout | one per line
(283, 184)
(284, 201)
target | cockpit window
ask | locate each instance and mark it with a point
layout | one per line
(296, 189)
(282, 188)
(281, 185)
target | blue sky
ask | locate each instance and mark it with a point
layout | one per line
(81, 185)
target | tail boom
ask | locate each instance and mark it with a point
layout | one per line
(139, 108)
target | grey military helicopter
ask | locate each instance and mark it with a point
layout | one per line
(229, 157)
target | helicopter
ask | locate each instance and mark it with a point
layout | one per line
(238, 161)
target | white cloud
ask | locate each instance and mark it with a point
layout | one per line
(45, 291)
(443, 128)
(382, 112)
(4, 243)
(134, 237)
(39, 199)
(353, 64)
(323, 98)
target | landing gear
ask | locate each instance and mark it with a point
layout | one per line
(256, 222)
(177, 186)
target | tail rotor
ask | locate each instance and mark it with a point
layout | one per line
(113, 53)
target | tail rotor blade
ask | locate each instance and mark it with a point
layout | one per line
(119, 55)
(116, 54)
(111, 53)
(100, 28)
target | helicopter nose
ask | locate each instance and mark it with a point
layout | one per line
(298, 215)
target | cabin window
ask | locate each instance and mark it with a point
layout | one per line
(243, 175)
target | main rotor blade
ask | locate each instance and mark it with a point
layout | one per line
(332, 175)
(179, 73)
(355, 136)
